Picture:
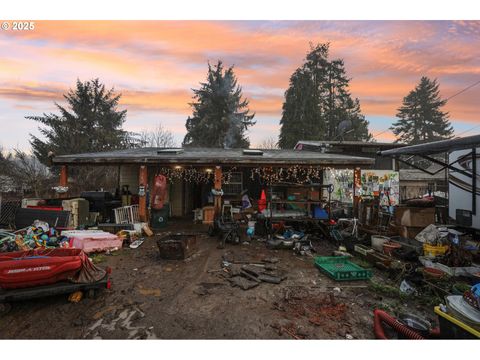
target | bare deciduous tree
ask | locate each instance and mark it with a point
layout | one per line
(268, 143)
(24, 172)
(158, 137)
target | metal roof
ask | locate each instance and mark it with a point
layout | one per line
(436, 147)
(350, 143)
(213, 156)
(419, 175)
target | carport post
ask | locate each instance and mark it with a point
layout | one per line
(357, 184)
(63, 179)
(217, 203)
(142, 193)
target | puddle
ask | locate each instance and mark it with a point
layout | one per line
(124, 321)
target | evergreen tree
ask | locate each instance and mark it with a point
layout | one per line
(318, 100)
(90, 123)
(220, 114)
(420, 118)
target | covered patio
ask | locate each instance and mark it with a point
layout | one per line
(193, 173)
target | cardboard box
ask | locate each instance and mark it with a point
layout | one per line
(208, 214)
(314, 195)
(416, 217)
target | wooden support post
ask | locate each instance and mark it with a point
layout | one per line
(142, 193)
(357, 184)
(217, 203)
(63, 179)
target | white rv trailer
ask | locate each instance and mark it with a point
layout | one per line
(463, 174)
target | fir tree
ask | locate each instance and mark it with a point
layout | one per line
(90, 123)
(220, 114)
(420, 118)
(318, 100)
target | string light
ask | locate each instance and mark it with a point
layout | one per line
(194, 175)
(296, 174)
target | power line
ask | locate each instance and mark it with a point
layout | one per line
(381, 132)
(468, 130)
(462, 91)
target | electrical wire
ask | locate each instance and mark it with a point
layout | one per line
(468, 130)
(462, 91)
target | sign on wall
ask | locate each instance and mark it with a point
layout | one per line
(381, 183)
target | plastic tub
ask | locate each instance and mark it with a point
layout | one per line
(453, 328)
(433, 251)
(362, 249)
(378, 241)
(389, 247)
(433, 274)
(458, 307)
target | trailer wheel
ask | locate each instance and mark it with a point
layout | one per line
(5, 308)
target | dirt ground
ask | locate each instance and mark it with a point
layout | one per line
(152, 298)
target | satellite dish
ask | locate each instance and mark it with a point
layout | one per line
(343, 127)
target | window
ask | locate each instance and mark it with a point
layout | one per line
(234, 185)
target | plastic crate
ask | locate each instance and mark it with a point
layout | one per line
(453, 328)
(432, 251)
(340, 269)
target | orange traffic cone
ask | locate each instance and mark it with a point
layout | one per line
(262, 203)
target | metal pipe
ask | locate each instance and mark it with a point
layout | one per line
(474, 181)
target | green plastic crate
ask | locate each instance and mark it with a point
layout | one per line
(340, 269)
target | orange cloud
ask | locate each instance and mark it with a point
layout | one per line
(154, 64)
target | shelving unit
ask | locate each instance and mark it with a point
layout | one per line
(309, 203)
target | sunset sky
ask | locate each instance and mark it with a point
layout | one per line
(154, 64)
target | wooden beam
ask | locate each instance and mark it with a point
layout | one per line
(357, 184)
(142, 193)
(217, 203)
(63, 179)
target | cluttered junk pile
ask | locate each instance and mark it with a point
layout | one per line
(437, 262)
(51, 246)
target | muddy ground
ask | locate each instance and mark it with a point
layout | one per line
(152, 298)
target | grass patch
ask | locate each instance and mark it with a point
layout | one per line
(98, 258)
(387, 290)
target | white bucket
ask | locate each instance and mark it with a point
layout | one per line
(378, 241)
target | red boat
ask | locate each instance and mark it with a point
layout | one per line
(21, 269)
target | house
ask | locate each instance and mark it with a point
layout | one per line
(354, 148)
(415, 183)
(193, 172)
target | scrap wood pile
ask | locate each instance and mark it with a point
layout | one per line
(249, 274)
(320, 309)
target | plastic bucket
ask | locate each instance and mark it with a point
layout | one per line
(378, 241)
